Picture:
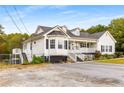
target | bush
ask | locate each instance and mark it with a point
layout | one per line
(97, 55)
(118, 54)
(25, 62)
(106, 56)
(38, 59)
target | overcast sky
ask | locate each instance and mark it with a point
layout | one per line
(72, 16)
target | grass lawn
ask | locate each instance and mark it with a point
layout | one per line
(114, 61)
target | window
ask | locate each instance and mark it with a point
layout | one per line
(47, 43)
(31, 46)
(88, 45)
(65, 44)
(82, 45)
(110, 48)
(52, 44)
(106, 48)
(102, 48)
(60, 43)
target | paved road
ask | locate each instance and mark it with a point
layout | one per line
(98, 74)
(65, 75)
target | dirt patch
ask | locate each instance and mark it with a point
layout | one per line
(107, 81)
(20, 67)
(85, 78)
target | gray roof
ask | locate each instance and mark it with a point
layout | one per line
(56, 33)
(97, 35)
(87, 35)
(83, 35)
(45, 28)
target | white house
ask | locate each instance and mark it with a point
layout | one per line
(59, 43)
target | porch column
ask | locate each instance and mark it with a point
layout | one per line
(86, 46)
(48, 49)
(68, 44)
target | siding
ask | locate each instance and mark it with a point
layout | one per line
(105, 39)
(37, 49)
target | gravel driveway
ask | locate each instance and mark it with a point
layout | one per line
(65, 75)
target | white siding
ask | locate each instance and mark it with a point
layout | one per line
(27, 51)
(106, 40)
(56, 51)
(37, 49)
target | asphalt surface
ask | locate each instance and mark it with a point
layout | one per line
(65, 75)
(98, 74)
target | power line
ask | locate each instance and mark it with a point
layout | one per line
(17, 13)
(20, 19)
(12, 19)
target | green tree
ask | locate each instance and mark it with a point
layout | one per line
(116, 28)
(15, 40)
(97, 28)
(82, 30)
(10, 41)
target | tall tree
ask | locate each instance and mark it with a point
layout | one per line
(116, 28)
(97, 28)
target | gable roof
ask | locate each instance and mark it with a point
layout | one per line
(97, 35)
(45, 28)
(83, 35)
(54, 32)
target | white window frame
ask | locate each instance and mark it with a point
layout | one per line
(52, 44)
(102, 48)
(110, 48)
(107, 48)
(60, 44)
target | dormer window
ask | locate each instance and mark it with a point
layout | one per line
(64, 28)
(76, 31)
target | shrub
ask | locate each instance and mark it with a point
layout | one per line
(118, 54)
(106, 56)
(97, 55)
(25, 62)
(38, 59)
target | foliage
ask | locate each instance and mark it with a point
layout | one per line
(10, 41)
(26, 62)
(97, 28)
(116, 28)
(106, 56)
(97, 55)
(38, 59)
(118, 54)
(82, 30)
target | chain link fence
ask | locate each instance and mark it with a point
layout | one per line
(10, 58)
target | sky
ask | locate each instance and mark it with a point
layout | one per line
(82, 16)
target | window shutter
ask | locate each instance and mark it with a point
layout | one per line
(47, 43)
(65, 44)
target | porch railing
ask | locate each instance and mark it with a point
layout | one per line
(83, 50)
